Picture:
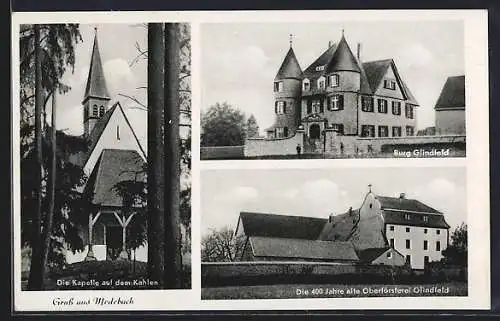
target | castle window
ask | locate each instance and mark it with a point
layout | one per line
(320, 68)
(407, 230)
(366, 104)
(409, 130)
(316, 106)
(280, 107)
(333, 80)
(367, 130)
(408, 244)
(396, 108)
(321, 82)
(391, 241)
(278, 86)
(425, 245)
(425, 218)
(306, 85)
(438, 246)
(396, 131)
(409, 111)
(391, 228)
(383, 131)
(279, 132)
(425, 231)
(389, 84)
(95, 111)
(101, 111)
(336, 102)
(339, 128)
(438, 232)
(382, 106)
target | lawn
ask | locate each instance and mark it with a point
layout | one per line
(294, 291)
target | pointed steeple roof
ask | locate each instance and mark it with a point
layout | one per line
(343, 59)
(290, 67)
(96, 83)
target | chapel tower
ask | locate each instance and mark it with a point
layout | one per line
(96, 97)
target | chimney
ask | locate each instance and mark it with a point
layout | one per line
(402, 195)
(358, 53)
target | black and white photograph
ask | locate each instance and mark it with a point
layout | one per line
(333, 90)
(334, 233)
(105, 156)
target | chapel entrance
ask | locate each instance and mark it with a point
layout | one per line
(113, 241)
(314, 131)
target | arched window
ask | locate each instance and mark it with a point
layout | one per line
(101, 111)
(95, 111)
(321, 82)
(306, 85)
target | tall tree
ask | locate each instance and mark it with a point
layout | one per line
(35, 281)
(223, 125)
(221, 245)
(252, 128)
(156, 166)
(456, 252)
(173, 266)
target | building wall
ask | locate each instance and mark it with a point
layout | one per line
(417, 235)
(381, 91)
(368, 233)
(283, 146)
(291, 95)
(450, 122)
(395, 259)
(109, 139)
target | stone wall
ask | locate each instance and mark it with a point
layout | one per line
(278, 146)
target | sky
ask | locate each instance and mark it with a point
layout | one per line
(239, 61)
(118, 50)
(321, 192)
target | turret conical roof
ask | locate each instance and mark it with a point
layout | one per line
(290, 67)
(96, 83)
(343, 59)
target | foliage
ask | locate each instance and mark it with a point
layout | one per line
(456, 252)
(221, 246)
(223, 125)
(252, 128)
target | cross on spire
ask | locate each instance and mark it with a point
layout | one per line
(369, 188)
(291, 40)
(342, 31)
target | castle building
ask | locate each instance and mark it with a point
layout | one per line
(383, 230)
(114, 156)
(450, 107)
(340, 92)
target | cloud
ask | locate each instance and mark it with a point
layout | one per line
(119, 76)
(70, 119)
(415, 55)
(243, 193)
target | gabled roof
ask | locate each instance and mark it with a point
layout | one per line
(416, 219)
(375, 71)
(370, 254)
(290, 67)
(96, 83)
(343, 59)
(322, 60)
(302, 249)
(113, 167)
(405, 204)
(101, 125)
(453, 93)
(341, 226)
(282, 226)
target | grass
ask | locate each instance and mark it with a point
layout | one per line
(293, 291)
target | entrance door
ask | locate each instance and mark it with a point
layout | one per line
(113, 241)
(314, 131)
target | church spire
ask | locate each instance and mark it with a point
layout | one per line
(96, 83)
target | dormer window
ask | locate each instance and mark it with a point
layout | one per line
(321, 82)
(278, 86)
(333, 80)
(425, 218)
(306, 85)
(320, 68)
(389, 84)
(407, 217)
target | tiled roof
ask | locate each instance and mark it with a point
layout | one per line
(302, 249)
(453, 93)
(113, 167)
(341, 227)
(415, 219)
(375, 71)
(405, 204)
(290, 67)
(322, 60)
(370, 254)
(96, 83)
(343, 59)
(282, 226)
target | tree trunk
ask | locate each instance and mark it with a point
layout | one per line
(173, 265)
(35, 281)
(155, 195)
(49, 218)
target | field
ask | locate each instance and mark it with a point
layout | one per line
(293, 291)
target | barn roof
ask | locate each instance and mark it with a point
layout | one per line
(415, 219)
(453, 93)
(405, 204)
(340, 226)
(370, 254)
(114, 166)
(282, 226)
(302, 249)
